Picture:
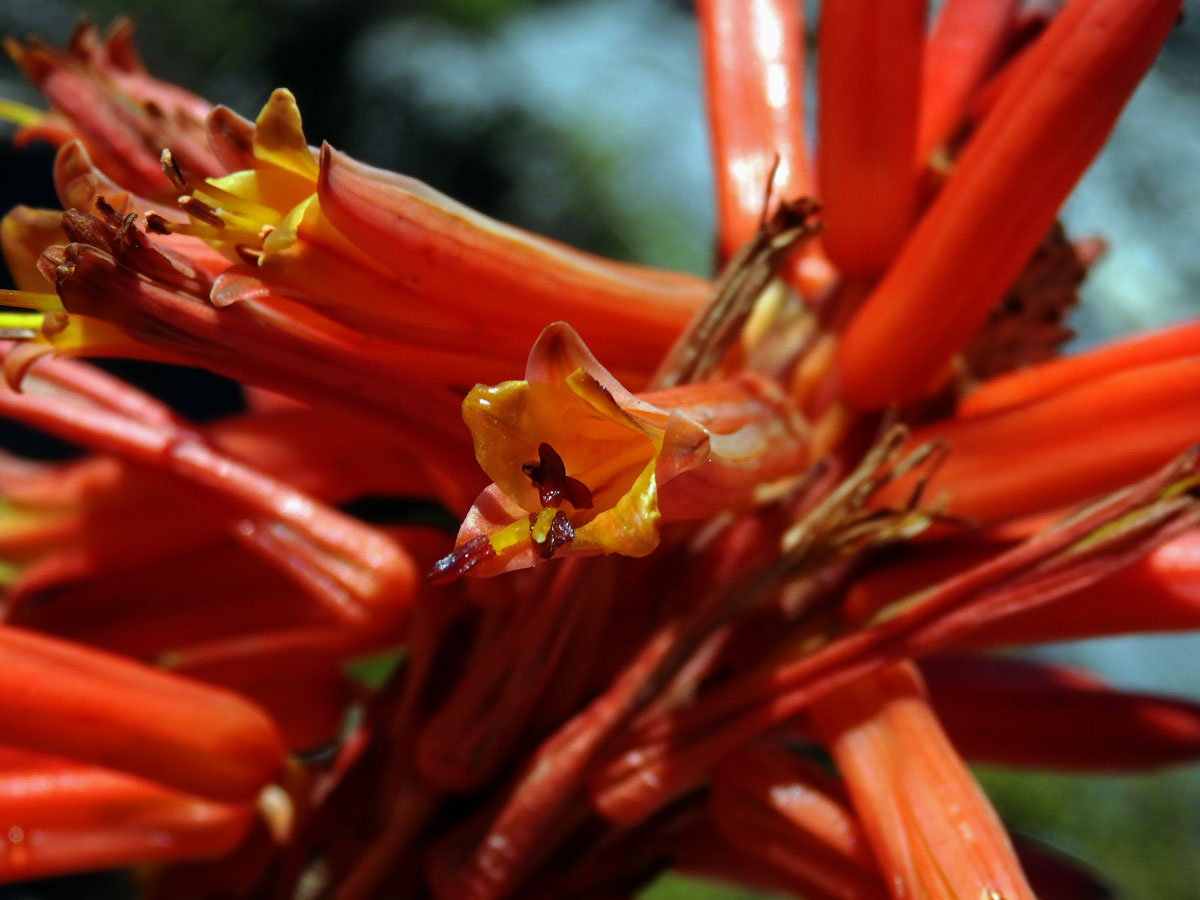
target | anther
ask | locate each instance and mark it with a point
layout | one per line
(559, 534)
(461, 560)
(198, 209)
(156, 224)
(171, 170)
(248, 254)
(554, 485)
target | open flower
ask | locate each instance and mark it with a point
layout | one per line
(817, 486)
(580, 464)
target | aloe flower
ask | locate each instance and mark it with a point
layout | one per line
(733, 552)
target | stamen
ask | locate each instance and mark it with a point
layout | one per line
(126, 234)
(156, 224)
(171, 170)
(461, 560)
(198, 209)
(559, 534)
(699, 351)
(548, 530)
(539, 525)
(30, 300)
(231, 202)
(554, 485)
(19, 113)
(209, 204)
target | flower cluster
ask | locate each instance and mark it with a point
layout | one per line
(731, 551)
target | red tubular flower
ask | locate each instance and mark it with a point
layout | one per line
(965, 45)
(101, 709)
(753, 66)
(1020, 713)
(750, 565)
(123, 116)
(1164, 583)
(499, 282)
(1002, 196)
(1039, 382)
(1061, 439)
(869, 80)
(668, 755)
(772, 806)
(358, 574)
(62, 816)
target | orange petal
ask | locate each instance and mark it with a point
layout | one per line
(294, 675)
(709, 447)
(24, 234)
(61, 817)
(1001, 198)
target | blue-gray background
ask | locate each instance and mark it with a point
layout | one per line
(583, 120)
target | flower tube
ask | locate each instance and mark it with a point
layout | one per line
(1001, 198)
(929, 824)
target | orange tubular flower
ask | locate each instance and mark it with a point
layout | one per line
(707, 557)
(933, 832)
(1061, 439)
(965, 44)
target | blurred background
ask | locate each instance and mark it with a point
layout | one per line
(582, 119)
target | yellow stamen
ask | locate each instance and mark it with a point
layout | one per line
(234, 204)
(19, 113)
(30, 300)
(20, 326)
(541, 526)
(216, 235)
(510, 535)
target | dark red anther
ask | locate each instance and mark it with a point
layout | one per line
(463, 558)
(549, 476)
(156, 224)
(560, 533)
(171, 169)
